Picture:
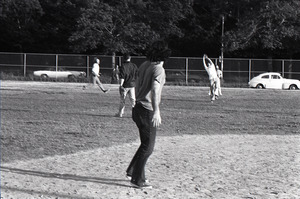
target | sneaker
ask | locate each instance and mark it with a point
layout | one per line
(105, 91)
(129, 178)
(213, 98)
(118, 115)
(142, 186)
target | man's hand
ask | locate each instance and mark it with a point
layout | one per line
(121, 89)
(156, 120)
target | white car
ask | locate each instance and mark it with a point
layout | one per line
(274, 81)
(52, 73)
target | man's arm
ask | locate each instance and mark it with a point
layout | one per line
(211, 62)
(122, 81)
(156, 93)
(204, 61)
(121, 75)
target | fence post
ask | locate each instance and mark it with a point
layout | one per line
(87, 65)
(56, 65)
(282, 65)
(249, 70)
(25, 61)
(120, 61)
(186, 71)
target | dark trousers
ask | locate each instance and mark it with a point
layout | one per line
(142, 117)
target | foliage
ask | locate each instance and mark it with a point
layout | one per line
(103, 27)
(17, 21)
(58, 23)
(267, 25)
(120, 26)
(258, 28)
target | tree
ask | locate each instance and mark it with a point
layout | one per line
(106, 29)
(127, 25)
(266, 27)
(19, 24)
(58, 23)
(202, 27)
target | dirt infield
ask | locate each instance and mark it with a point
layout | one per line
(74, 151)
(218, 166)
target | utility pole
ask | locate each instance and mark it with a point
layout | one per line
(222, 44)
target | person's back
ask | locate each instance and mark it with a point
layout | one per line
(146, 112)
(128, 72)
(148, 72)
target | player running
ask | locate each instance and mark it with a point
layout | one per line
(96, 74)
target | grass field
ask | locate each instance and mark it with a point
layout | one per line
(60, 141)
(46, 119)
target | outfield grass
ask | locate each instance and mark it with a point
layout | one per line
(41, 119)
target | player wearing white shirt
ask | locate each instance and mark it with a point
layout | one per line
(218, 83)
(96, 75)
(212, 75)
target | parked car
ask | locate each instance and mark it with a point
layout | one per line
(60, 73)
(274, 81)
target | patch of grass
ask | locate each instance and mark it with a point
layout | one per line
(41, 119)
(105, 78)
(20, 77)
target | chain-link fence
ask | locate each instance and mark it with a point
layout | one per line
(179, 70)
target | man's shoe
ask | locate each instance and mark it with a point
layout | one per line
(105, 91)
(142, 186)
(129, 178)
(118, 115)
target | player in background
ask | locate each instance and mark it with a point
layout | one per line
(212, 75)
(218, 91)
(128, 74)
(96, 74)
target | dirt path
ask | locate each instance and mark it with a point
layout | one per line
(216, 166)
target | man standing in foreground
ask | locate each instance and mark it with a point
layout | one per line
(128, 74)
(146, 113)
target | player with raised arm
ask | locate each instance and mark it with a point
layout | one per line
(212, 75)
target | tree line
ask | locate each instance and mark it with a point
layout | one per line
(251, 28)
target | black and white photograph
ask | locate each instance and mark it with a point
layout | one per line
(141, 99)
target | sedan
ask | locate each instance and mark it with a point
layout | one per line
(274, 81)
(52, 73)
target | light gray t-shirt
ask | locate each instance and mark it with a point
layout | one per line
(149, 72)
